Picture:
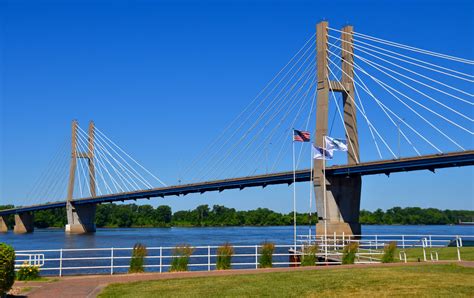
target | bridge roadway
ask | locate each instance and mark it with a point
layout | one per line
(426, 162)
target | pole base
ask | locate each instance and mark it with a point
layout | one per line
(339, 228)
(79, 229)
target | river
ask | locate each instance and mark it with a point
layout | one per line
(127, 237)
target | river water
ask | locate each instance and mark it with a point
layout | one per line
(127, 237)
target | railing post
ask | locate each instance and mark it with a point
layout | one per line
(424, 242)
(256, 256)
(376, 242)
(111, 261)
(458, 246)
(208, 258)
(61, 262)
(370, 250)
(403, 241)
(430, 241)
(161, 259)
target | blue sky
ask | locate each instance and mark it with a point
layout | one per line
(162, 79)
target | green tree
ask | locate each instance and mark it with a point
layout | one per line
(163, 214)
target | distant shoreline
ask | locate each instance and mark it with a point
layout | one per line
(146, 216)
(245, 226)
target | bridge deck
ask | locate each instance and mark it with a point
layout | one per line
(427, 162)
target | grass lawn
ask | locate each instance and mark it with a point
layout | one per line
(444, 253)
(429, 280)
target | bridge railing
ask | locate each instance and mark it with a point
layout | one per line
(116, 260)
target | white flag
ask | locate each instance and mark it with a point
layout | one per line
(335, 144)
(320, 153)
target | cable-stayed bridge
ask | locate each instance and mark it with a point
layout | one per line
(383, 97)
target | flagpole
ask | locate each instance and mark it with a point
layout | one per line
(294, 193)
(310, 190)
(325, 200)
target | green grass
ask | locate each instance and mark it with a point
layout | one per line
(40, 279)
(428, 280)
(444, 254)
(25, 290)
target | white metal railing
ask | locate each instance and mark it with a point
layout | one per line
(378, 242)
(30, 259)
(116, 260)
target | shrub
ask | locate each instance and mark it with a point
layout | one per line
(224, 256)
(7, 268)
(27, 272)
(181, 256)
(138, 258)
(349, 253)
(389, 252)
(266, 255)
(309, 258)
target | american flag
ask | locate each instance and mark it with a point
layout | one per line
(301, 136)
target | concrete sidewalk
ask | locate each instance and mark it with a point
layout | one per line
(91, 285)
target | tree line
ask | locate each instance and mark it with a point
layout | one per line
(132, 215)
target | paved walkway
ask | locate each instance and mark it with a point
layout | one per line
(91, 285)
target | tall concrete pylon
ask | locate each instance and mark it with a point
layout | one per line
(342, 204)
(81, 218)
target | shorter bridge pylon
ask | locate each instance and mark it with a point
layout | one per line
(81, 219)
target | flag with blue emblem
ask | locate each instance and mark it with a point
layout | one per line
(335, 144)
(321, 153)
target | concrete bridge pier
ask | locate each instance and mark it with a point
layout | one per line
(3, 225)
(343, 206)
(24, 223)
(81, 219)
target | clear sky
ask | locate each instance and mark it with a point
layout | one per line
(162, 78)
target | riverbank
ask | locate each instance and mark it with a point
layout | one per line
(132, 215)
(441, 279)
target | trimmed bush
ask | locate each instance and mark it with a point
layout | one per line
(389, 252)
(309, 258)
(181, 256)
(266, 255)
(7, 268)
(349, 253)
(27, 272)
(224, 256)
(138, 258)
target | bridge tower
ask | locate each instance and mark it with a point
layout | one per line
(81, 218)
(342, 205)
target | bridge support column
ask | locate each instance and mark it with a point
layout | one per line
(24, 223)
(81, 219)
(343, 206)
(3, 225)
(339, 207)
